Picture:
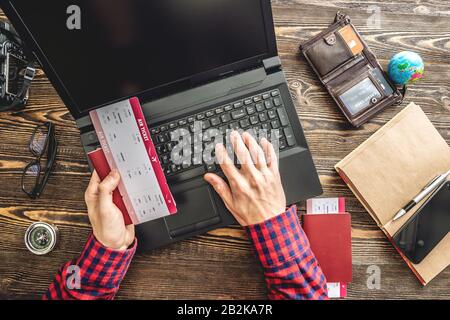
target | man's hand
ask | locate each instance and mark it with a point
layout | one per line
(254, 193)
(106, 219)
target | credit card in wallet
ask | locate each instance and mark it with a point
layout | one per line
(351, 39)
(127, 147)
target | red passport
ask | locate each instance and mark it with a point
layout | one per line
(331, 241)
(101, 165)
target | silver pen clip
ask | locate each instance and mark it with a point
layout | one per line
(432, 181)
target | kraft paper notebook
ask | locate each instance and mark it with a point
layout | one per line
(390, 168)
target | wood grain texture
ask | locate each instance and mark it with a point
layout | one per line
(220, 264)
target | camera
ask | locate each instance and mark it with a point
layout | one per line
(16, 69)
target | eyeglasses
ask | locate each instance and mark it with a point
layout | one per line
(36, 173)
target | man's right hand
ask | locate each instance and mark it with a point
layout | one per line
(254, 193)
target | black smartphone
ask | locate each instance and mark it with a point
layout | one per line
(427, 227)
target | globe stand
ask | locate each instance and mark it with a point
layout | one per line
(404, 90)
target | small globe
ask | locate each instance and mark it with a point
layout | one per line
(405, 68)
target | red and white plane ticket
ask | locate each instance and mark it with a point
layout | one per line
(128, 148)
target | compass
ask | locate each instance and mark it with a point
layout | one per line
(41, 238)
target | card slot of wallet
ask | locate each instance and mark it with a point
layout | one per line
(344, 82)
(328, 53)
(366, 74)
(336, 73)
(359, 94)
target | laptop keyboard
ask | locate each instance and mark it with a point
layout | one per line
(263, 111)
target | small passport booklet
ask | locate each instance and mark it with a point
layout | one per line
(328, 227)
(143, 193)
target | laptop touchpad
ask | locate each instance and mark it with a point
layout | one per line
(196, 210)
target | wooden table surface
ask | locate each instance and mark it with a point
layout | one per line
(220, 264)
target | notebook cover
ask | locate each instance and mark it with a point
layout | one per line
(390, 168)
(330, 239)
(101, 165)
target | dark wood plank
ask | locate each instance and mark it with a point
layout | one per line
(220, 264)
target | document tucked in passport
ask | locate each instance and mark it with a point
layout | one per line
(143, 193)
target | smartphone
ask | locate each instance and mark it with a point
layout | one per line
(424, 230)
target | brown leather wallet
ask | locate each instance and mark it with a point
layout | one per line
(350, 71)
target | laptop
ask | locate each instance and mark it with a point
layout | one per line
(212, 61)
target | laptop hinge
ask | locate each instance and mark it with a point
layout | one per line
(272, 64)
(84, 122)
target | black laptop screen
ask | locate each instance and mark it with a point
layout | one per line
(125, 47)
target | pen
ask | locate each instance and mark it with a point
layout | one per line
(430, 187)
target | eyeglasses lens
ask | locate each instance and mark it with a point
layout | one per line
(39, 139)
(30, 177)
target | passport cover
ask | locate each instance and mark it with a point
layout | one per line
(329, 206)
(330, 239)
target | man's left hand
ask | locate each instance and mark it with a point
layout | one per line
(106, 219)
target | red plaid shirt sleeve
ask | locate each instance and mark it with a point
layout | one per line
(96, 274)
(290, 267)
